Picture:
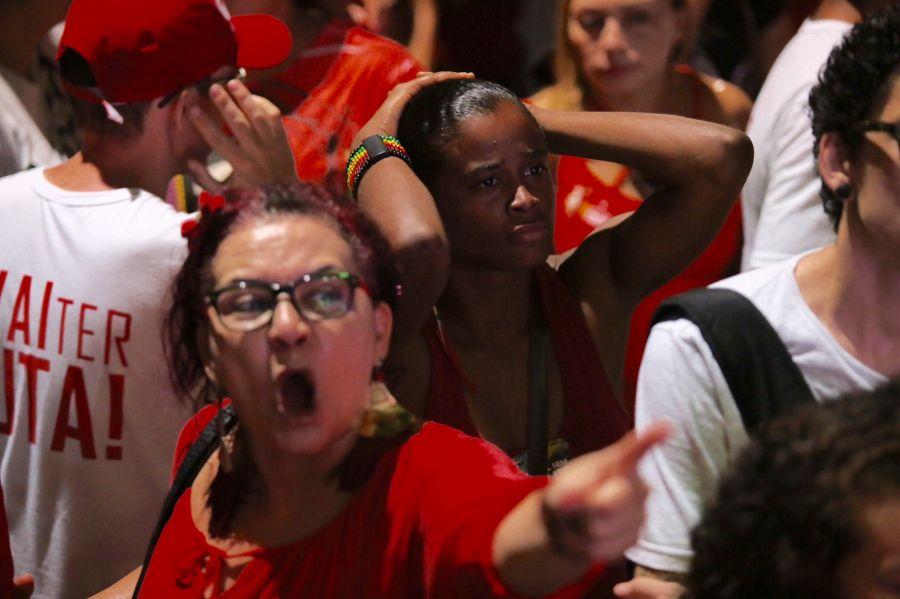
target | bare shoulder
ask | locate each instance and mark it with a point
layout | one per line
(728, 102)
(554, 97)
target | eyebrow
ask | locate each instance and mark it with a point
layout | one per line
(536, 152)
(482, 167)
(320, 271)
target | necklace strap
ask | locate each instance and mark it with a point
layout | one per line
(536, 461)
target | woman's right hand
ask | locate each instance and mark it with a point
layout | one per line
(387, 118)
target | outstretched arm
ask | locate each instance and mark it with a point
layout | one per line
(698, 168)
(590, 512)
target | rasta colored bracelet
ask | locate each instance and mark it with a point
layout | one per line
(373, 150)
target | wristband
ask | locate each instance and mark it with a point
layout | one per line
(566, 533)
(373, 150)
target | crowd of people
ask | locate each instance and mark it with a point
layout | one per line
(624, 330)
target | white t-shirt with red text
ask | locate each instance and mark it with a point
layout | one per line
(88, 419)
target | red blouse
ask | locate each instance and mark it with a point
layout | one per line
(421, 527)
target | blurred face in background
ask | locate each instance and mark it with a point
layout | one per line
(623, 46)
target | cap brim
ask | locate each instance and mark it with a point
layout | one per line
(263, 41)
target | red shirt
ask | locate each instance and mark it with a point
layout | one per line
(331, 91)
(422, 526)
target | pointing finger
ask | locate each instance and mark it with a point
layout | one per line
(631, 448)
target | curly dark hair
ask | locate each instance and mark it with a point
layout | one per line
(788, 514)
(431, 119)
(849, 87)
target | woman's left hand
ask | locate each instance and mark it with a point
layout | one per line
(387, 117)
(594, 506)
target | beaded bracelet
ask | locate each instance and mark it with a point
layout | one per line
(372, 150)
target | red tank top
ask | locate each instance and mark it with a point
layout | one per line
(592, 417)
(584, 201)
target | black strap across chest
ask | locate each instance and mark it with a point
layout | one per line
(760, 372)
(194, 460)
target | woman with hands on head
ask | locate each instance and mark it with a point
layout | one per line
(284, 306)
(495, 336)
(478, 251)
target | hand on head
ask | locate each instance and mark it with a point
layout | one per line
(257, 146)
(386, 119)
(594, 506)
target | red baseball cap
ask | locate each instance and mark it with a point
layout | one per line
(123, 51)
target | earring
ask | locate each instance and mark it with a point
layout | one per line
(380, 394)
(843, 191)
(385, 417)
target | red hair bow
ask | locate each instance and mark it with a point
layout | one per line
(209, 204)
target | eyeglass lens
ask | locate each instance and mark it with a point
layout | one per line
(251, 306)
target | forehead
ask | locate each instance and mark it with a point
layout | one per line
(488, 136)
(280, 249)
(608, 5)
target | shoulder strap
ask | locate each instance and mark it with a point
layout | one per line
(536, 459)
(193, 461)
(760, 372)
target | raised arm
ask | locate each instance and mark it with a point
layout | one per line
(401, 205)
(698, 169)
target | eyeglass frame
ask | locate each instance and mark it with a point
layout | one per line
(276, 289)
(892, 128)
(204, 85)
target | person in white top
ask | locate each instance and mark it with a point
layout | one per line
(89, 252)
(25, 119)
(782, 211)
(834, 308)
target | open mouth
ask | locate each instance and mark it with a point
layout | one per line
(296, 393)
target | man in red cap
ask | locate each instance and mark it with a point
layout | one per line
(88, 421)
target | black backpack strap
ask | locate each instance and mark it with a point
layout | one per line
(760, 372)
(193, 461)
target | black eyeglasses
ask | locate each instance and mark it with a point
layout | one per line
(203, 85)
(892, 128)
(249, 305)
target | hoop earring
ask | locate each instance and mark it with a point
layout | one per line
(385, 417)
(843, 191)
